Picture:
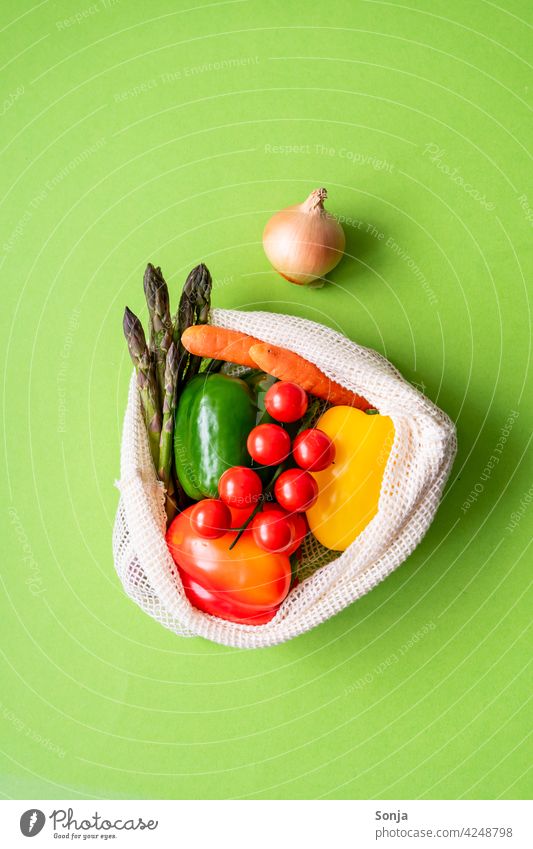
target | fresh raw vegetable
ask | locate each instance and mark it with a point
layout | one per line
(169, 408)
(313, 450)
(244, 584)
(193, 309)
(286, 365)
(272, 530)
(349, 490)
(210, 341)
(286, 402)
(268, 444)
(239, 487)
(160, 322)
(296, 490)
(210, 518)
(304, 242)
(297, 520)
(146, 380)
(167, 431)
(222, 604)
(214, 416)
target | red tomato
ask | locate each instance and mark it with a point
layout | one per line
(269, 444)
(313, 450)
(239, 487)
(273, 530)
(296, 490)
(210, 518)
(297, 520)
(285, 401)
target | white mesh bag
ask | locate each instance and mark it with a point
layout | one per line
(419, 463)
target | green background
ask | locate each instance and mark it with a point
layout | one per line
(160, 132)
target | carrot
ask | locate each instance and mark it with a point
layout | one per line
(208, 340)
(286, 365)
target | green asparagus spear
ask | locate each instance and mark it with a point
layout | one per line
(201, 313)
(146, 379)
(157, 299)
(193, 308)
(174, 495)
(169, 406)
(185, 314)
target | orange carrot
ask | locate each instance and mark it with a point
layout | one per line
(208, 340)
(286, 365)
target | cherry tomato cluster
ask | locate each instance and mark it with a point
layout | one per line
(280, 525)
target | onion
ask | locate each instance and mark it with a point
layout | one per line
(304, 242)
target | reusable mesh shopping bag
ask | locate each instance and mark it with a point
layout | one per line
(419, 463)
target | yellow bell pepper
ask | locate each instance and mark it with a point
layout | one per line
(349, 489)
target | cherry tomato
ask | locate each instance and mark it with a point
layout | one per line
(269, 444)
(240, 487)
(211, 518)
(313, 450)
(272, 530)
(285, 401)
(297, 520)
(296, 490)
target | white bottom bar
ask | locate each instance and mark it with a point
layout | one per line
(268, 824)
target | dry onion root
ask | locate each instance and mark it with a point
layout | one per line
(304, 242)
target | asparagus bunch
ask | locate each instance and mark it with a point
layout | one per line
(164, 366)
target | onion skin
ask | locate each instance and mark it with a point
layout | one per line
(303, 242)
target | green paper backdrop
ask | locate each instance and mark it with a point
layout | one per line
(170, 132)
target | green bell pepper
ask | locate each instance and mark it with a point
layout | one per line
(214, 417)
